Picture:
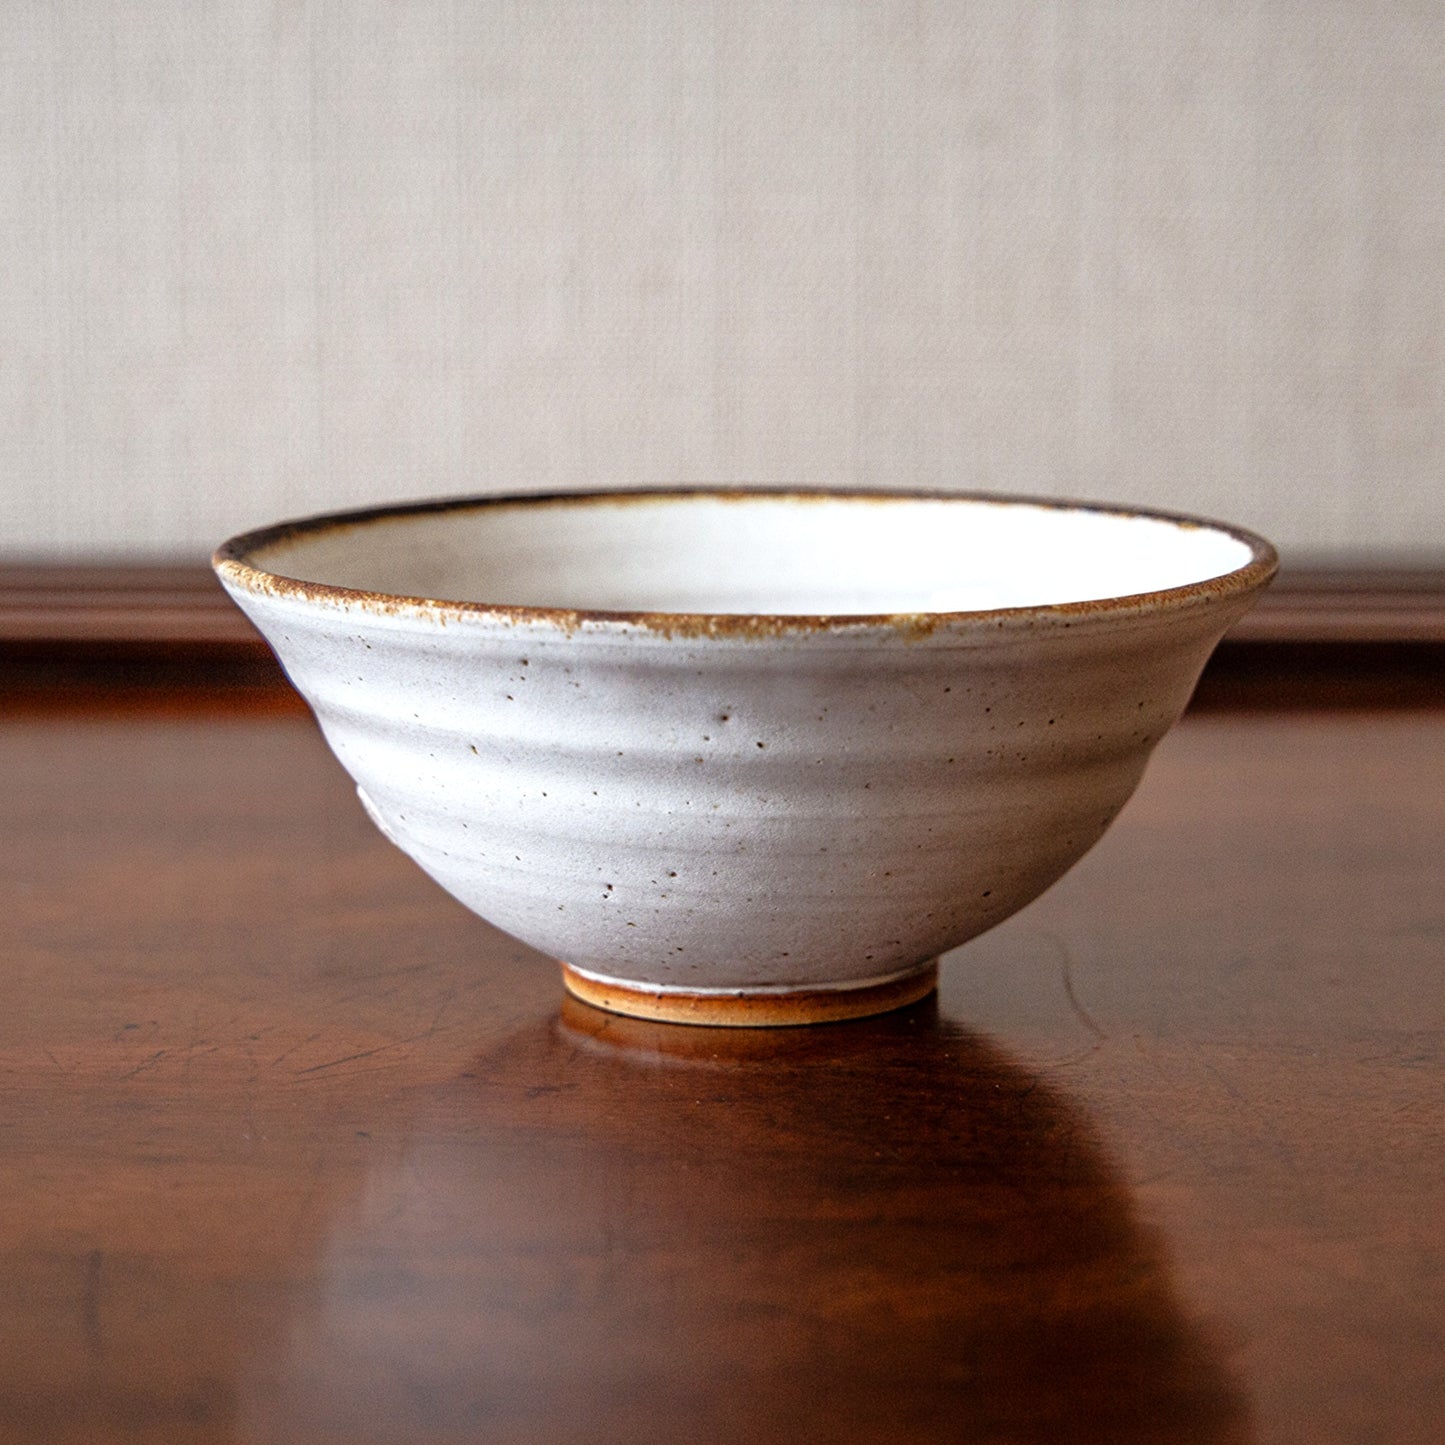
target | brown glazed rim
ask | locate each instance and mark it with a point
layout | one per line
(232, 564)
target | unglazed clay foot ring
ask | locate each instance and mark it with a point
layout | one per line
(762, 1008)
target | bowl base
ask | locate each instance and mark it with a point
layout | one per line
(737, 1008)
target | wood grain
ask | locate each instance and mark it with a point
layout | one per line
(292, 1148)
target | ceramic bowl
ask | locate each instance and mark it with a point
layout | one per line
(745, 757)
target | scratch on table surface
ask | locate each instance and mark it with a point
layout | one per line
(1224, 1083)
(1269, 1126)
(366, 1053)
(1066, 973)
(442, 1003)
(145, 1064)
(1149, 1057)
(286, 1053)
(196, 1041)
(1067, 1061)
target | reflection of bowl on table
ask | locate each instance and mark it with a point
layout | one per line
(608, 1229)
(740, 756)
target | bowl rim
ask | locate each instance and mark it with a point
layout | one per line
(233, 566)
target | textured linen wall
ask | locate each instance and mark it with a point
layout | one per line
(263, 258)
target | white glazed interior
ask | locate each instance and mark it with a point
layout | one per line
(773, 554)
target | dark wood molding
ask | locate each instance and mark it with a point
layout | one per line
(147, 637)
(1319, 636)
(130, 605)
(1348, 606)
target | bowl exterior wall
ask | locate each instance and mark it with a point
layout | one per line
(807, 809)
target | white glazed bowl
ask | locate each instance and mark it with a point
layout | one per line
(750, 757)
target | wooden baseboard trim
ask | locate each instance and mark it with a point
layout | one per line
(1346, 606)
(1319, 636)
(134, 606)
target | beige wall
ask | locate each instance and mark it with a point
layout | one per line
(261, 257)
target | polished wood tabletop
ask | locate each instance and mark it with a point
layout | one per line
(293, 1148)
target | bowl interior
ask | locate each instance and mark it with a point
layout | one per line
(748, 553)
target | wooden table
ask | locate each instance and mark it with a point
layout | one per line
(295, 1149)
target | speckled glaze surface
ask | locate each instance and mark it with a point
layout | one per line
(763, 806)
